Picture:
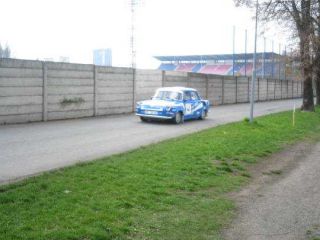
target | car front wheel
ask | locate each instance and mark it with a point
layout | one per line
(178, 118)
(203, 114)
(143, 119)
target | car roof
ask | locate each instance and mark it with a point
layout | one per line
(177, 89)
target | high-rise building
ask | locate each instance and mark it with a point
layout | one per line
(102, 57)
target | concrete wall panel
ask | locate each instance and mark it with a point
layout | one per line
(17, 63)
(70, 82)
(23, 118)
(62, 90)
(20, 82)
(20, 73)
(20, 109)
(115, 110)
(20, 100)
(70, 114)
(72, 74)
(58, 107)
(20, 91)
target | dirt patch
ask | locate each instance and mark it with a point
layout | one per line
(280, 200)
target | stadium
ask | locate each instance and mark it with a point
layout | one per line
(269, 64)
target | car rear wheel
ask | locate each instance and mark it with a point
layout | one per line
(178, 119)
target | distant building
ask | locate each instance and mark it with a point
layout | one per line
(102, 57)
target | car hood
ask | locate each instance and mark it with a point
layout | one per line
(159, 103)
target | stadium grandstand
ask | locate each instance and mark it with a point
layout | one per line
(269, 64)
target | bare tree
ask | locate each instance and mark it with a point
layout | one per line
(316, 48)
(297, 14)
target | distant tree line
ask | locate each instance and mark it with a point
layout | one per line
(5, 52)
(302, 17)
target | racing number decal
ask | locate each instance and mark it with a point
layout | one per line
(188, 108)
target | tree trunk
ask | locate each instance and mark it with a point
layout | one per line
(316, 63)
(308, 102)
(304, 27)
(318, 89)
(317, 75)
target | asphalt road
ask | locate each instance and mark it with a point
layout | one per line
(28, 149)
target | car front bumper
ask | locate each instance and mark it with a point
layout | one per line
(154, 116)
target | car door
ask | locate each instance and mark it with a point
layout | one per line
(197, 106)
(192, 104)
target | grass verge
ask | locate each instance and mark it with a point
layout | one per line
(172, 190)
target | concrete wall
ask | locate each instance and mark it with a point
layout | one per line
(146, 83)
(67, 82)
(40, 91)
(21, 91)
(114, 90)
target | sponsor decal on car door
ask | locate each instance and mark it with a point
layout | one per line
(192, 104)
(188, 107)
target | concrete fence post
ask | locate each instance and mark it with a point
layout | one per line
(163, 78)
(274, 94)
(258, 89)
(267, 89)
(44, 92)
(188, 80)
(222, 89)
(236, 79)
(133, 89)
(248, 89)
(95, 90)
(207, 86)
(281, 89)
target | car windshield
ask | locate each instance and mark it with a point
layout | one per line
(168, 95)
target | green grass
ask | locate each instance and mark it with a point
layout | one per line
(172, 190)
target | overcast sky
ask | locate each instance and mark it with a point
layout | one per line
(38, 29)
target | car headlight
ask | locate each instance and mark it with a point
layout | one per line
(168, 109)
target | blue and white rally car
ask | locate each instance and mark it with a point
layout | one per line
(173, 103)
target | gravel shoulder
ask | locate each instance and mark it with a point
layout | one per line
(283, 200)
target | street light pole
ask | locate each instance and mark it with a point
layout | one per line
(254, 72)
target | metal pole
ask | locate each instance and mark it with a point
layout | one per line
(233, 50)
(272, 71)
(285, 63)
(245, 53)
(291, 62)
(264, 58)
(279, 61)
(133, 4)
(254, 67)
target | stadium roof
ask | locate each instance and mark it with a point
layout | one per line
(219, 57)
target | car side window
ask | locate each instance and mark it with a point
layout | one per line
(194, 96)
(187, 96)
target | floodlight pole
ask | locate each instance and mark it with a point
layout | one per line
(254, 74)
(233, 49)
(245, 53)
